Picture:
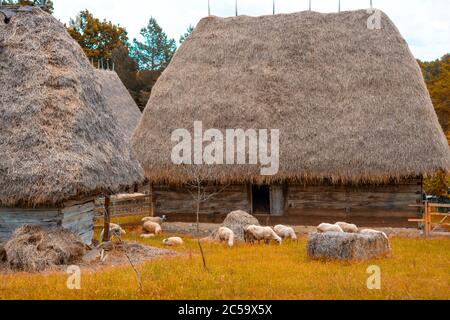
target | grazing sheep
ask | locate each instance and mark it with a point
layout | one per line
(226, 235)
(370, 231)
(115, 230)
(347, 227)
(173, 242)
(256, 233)
(326, 227)
(152, 227)
(158, 220)
(147, 236)
(285, 232)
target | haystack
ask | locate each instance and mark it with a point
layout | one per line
(237, 221)
(119, 101)
(58, 140)
(34, 249)
(350, 102)
(347, 246)
(60, 145)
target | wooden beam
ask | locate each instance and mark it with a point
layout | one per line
(107, 219)
(152, 206)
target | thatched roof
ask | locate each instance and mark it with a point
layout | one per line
(57, 138)
(119, 101)
(350, 103)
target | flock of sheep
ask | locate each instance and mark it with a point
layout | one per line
(343, 227)
(252, 233)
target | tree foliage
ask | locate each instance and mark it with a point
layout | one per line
(48, 6)
(97, 38)
(156, 50)
(437, 78)
(186, 34)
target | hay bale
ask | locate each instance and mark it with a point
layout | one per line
(34, 249)
(237, 221)
(347, 246)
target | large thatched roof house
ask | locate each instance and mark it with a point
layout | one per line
(59, 144)
(119, 101)
(357, 126)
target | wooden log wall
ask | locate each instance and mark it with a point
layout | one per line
(390, 201)
(78, 217)
(171, 200)
(13, 218)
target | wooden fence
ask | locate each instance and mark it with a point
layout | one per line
(125, 205)
(430, 211)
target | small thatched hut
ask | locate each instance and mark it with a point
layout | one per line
(119, 101)
(357, 127)
(59, 144)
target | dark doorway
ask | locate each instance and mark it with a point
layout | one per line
(261, 199)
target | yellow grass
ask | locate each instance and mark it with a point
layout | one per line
(418, 269)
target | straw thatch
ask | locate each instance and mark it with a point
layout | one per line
(347, 246)
(33, 249)
(57, 138)
(350, 103)
(119, 101)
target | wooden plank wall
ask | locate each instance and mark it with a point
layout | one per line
(171, 200)
(13, 218)
(76, 217)
(355, 201)
(79, 219)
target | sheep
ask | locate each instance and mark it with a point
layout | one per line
(152, 227)
(326, 227)
(115, 230)
(256, 233)
(285, 232)
(370, 231)
(226, 235)
(173, 242)
(147, 236)
(347, 227)
(158, 220)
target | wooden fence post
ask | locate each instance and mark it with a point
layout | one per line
(152, 207)
(107, 219)
(427, 220)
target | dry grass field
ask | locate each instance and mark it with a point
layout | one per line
(418, 269)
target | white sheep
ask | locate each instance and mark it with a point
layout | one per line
(370, 231)
(285, 232)
(326, 227)
(173, 242)
(147, 236)
(226, 235)
(152, 227)
(254, 233)
(115, 230)
(158, 220)
(347, 227)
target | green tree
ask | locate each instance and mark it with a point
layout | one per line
(48, 5)
(186, 34)
(97, 38)
(156, 50)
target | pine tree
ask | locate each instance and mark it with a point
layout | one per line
(156, 50)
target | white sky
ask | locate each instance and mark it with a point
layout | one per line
(424, 23)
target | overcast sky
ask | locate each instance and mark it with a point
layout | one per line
(424, 23)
